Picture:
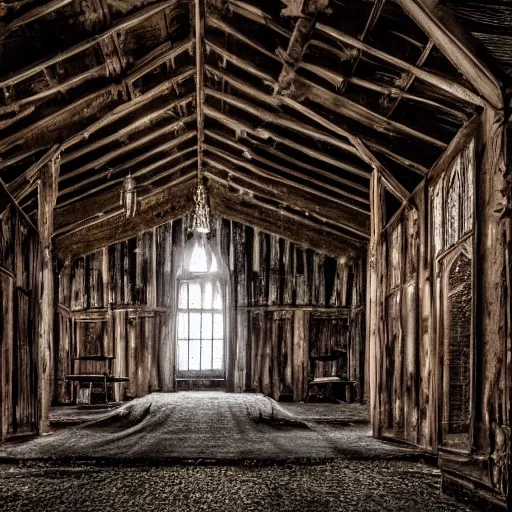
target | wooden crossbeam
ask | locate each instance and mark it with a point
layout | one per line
(249, 154)
(265, 134)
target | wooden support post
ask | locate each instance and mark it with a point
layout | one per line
(47, 194)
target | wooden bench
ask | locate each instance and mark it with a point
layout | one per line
(85, 392)
(330, 388)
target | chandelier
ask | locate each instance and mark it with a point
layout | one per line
(201, 219)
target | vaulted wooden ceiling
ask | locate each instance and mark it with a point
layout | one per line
(298, 102)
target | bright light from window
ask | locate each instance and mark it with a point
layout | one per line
(198, 261)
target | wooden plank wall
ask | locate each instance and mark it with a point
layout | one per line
(19, 299)
(415, 314)
(129, 288)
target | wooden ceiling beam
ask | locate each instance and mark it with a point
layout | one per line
(77, 212)
(438, 81)
(33, 15)
(299, 163)
(285, 122)
(240, 208)
(90, 191)
(291, 215)
(127, 108)
(133, 162)
(268, 193)
(455, 51)
(249, 154)
(264, 133)
(199, 25)
(332, 101)
(284, 181)
(337, 80)
(171, 201)
(128, 22)
(141, 123)
(453, 88)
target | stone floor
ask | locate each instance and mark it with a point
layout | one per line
(216, 451)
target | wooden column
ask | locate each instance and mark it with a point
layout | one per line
(47, 196)
(374, 291)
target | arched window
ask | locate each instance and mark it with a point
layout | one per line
(200, 315)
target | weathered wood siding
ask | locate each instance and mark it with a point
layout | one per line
(439, 313)
(117, 310)
(19, 296)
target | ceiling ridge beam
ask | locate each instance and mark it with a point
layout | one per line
(265, 134)
(199, 26)
(455, 51)
(295, 216)
(270, 176)
(122, 25)
(249, 153)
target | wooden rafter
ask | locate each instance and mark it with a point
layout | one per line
(265, 134)
(269, 176)
(128, 22)
(167, 146)
(177, 124)
(453, 88)
(455, 51)
(252, 156)
(88, 191)
(318, 220)
(282, 156)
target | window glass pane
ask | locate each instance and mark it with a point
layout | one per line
(208, 296)
(218, 353)
(217, 301)
(194, 356)
(182, 326)
(194, 296)
(183, 355)
(206, 327)
(206, 355)
(183, 296)
(218, 326)
(195, 325)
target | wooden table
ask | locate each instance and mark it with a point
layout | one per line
(96, 379)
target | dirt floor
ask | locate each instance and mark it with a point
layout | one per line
(216, 452)
(205, 425)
